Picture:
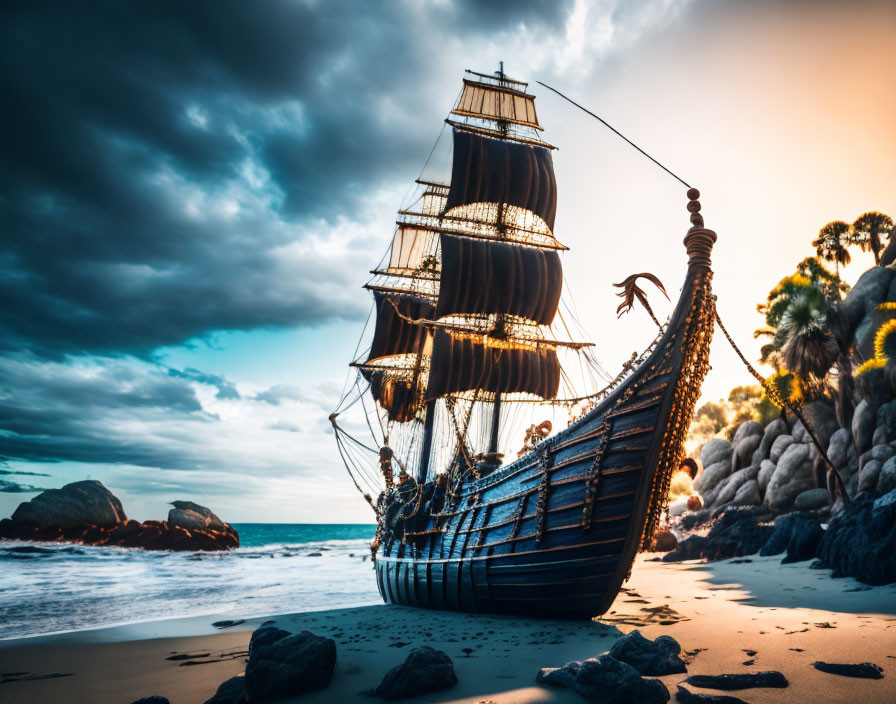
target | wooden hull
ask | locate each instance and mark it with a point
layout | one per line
(555, 533)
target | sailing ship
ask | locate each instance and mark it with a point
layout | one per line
(469, 340)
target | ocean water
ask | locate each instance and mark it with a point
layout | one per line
(279, 568)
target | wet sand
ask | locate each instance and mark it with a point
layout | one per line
(742, 615)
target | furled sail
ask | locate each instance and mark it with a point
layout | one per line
(462, 362)
(481, 278)
(497, 102)
(400, 398)
(487, 170)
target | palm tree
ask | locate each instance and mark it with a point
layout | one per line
(831, 243)
(868, 230)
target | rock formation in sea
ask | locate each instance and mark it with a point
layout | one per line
(87, 512)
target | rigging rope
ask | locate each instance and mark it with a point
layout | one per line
(617, 132)
(779, 400)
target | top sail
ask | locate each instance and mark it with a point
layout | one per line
(504, 101)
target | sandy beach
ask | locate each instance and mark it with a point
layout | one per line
(741, 615)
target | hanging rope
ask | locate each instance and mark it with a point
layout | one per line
(778, 399)
(617, 132)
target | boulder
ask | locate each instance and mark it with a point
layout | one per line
(191, 516)
(747, 429)
(706, 483)
(766, 469)
(81, 503)
(812, 499)
(840, 442)
(649, 657)
(694, 503)
(869, 475)
(857, 308)
(153, 699)
(860, 540)
(716, 450)
(792, 476)
(747, 494)
(796, 534)
(863, 423)
(779, 446)
(233, 691)
(886, 420)
(743, 451)
(607, 680)
(886, 479)
(728, 487)
(284, 664)
(772, 431)
(664, 540)
(425, 670)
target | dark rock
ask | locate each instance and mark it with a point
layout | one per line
(191, 516)
(78, 504)
(425, 670)
(866, 670)
(822, 419)
(797, 534)
(559, 676)
(229, 623)
(728, 487)
(768, 678)
(154, 699)
(863, 425)
(233, 691)
(692, 520)
(655, 658)
(283, 664)
(886, 479)
(683, 696)
(886, 418)
(840, 443)
(607, 680)
(812, 499)
(860, 540)
(857, 309)
(735, 532)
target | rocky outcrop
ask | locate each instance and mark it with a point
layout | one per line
(283, 664)
(797, 535)
(186, 514)
(425, 670)
(863, 423)
(860, 541)
(78, 504)
(88, 513)
(232, 691)
(735, 532)
(605, 679)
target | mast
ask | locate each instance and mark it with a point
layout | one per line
(492, 457)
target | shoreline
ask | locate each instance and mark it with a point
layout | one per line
(788, 616)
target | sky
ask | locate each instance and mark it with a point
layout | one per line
(192, 195)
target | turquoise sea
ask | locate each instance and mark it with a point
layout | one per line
(279, 568)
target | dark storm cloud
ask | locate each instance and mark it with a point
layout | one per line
(14, 488)
(114, 412)
(131, 131)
